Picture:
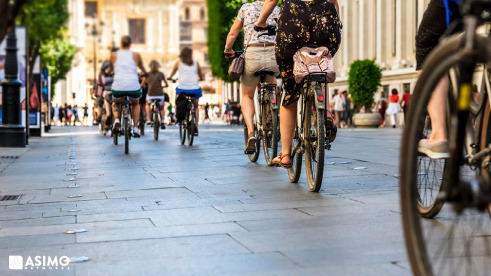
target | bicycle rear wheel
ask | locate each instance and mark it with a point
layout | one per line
(253, 157)
(457, 242)
(191, 126)
(141, 124)
(126, 127)
(115, 138)
(156, 125)
(270, 133)
(314, 143)
(485, 142)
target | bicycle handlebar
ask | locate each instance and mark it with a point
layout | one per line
(270, 30)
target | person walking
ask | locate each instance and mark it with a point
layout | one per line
(56, 114)
(86, 115)
(381, 107)
(75, 114)
(394, 107)
(259, 56)
(404, 102)
(339, 107)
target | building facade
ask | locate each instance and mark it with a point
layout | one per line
(384, 31)
(96, 26)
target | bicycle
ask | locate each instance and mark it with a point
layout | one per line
(188, 125)
(457, 189)
(126, 127)
(310, 137)
(141, 123)
(155, 111)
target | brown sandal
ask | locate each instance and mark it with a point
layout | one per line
(281, 164)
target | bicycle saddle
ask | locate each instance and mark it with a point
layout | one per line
(264, 73)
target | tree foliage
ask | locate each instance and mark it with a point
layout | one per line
(363, 80)
(57, 55)
(221, 17)
(46, 25)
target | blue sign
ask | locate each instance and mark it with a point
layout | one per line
(0, 117)
(33, 118)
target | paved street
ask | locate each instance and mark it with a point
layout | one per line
(167, 209)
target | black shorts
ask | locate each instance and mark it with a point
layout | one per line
(167, 99)
(433, 25)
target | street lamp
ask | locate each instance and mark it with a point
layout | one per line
(94, 31)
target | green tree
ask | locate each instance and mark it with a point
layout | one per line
(46, 25)
(57, 55)
(363, 81)
(221, 17)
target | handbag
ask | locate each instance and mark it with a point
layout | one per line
(236, 68)
(311, 60)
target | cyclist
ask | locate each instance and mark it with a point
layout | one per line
(155, 90)
(300, 22)
(435, 21)
(259, 56)
(124, 64)
(189, 76)
(107, 95)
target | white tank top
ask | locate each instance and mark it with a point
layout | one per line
(125, 72)
(188, 76)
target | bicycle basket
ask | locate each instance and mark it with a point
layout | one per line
(313, 60)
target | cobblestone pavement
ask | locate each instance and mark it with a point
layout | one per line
(167, 209)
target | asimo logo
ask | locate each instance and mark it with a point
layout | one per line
(39, 263)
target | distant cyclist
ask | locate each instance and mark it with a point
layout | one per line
(189, 76)
(259, 56)
(124, 64)
(107, 95)
(155, 90)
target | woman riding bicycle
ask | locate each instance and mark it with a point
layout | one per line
(156, 90)
(301, 22)
(189, 76)
(258, 57)
(435, 21)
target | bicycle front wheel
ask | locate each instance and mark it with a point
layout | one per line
(297, 158)
(271, 133)
(314, 134)
(127, 133)
(456, 242)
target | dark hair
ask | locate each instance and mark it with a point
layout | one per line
(394, 92)
(186, 56)
(126, 41)
(345, 92)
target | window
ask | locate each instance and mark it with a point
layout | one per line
(406, 86)
(90, 8)
(137, 31)
(386, 90)
(187, 14)
(207, 60)
(202, 14)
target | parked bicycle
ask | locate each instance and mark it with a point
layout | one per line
(457, 189)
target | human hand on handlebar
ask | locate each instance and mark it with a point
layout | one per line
(229, 53)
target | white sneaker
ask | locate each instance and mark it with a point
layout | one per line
(136, 132)
(116, 126)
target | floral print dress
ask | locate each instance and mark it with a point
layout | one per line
(301, 23)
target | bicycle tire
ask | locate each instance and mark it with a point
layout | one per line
(434, 247)
(182, 131)
(296, 169)
(127, 132)
(253, 157)
(115, 138)
(270, 133)
(156, 125)
(141, 123)
(485, 141)
(191, 126)
(314, 144)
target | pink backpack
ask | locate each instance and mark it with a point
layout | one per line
(310, 60)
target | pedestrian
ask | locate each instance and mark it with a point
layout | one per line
(227, 112)
(394, 107)
(69, 115)
(65, 114)
(217, 111)
(86, 115)
(339, 107)
(381, 107)
(404, 102)
(75, 114)
(207, 107)
(56, 114)
(347, 109)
